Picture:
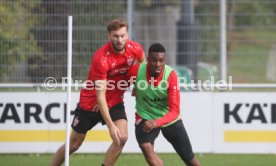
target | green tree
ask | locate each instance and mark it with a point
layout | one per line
(254, 12)
(15, 35)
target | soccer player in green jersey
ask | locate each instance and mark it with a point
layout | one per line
(158, 108)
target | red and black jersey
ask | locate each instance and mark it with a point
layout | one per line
(112, 67)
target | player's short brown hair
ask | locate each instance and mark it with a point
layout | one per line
(116, 24)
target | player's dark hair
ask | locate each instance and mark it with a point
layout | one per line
(156, 47)
(116, 24)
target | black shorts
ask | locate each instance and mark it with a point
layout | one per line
(86, 120)
(143, 137)
(175, 134)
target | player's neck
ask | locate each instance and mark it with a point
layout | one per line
(117, 51)
(154, 75)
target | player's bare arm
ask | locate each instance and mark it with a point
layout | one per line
(103, 107)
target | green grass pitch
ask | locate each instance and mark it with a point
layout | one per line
(134, 159)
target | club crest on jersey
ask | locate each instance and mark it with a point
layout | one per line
(130, 61)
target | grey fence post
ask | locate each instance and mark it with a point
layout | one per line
(188, 38)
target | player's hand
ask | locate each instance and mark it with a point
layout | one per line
(115, 134)
(149, 125)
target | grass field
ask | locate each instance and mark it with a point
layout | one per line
(138, 160)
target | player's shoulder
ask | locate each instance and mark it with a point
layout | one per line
(100, 59)
(102, 51)
(133, 44)
(171, 70)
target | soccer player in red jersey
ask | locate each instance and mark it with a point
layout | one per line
(102, 99)
(158, 108)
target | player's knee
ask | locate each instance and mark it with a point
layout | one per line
(74, 146)
(150, 155)
(123, 140)
(147, 148)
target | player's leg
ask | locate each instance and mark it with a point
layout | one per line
(76, 140)
(114, 150)
(178, 137)
(146, 144)
(118, 115)
(82, 122)
(151, 157)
